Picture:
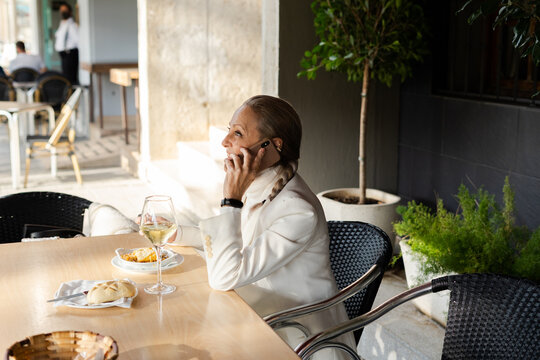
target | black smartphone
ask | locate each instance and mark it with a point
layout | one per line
(271, 155)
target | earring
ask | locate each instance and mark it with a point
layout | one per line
(278, 148)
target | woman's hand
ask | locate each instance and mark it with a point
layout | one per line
(240, 173)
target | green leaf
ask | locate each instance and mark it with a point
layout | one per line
(467, 3)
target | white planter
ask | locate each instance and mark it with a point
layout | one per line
(434, 305)
(381, 215)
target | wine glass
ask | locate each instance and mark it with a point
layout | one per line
(158, 224)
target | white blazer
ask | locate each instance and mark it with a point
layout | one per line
(274, 254)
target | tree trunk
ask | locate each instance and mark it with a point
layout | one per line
(362, 140)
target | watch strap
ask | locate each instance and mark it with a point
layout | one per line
(232, 202)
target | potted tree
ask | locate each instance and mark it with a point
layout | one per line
(479, 238)
(365, 40)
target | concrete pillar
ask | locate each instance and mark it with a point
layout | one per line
(270, 47)
(198, 61)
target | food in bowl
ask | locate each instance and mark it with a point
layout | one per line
(142, 255)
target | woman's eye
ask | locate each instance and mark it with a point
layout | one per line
(237, 133)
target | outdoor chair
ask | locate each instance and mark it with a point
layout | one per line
(7, 93)
(45, 145)
(48, 73)
(359, 254)
(489, 317)
(39, 211)
(24, 75)
(52, 88)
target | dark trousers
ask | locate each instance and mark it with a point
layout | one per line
(70, 65)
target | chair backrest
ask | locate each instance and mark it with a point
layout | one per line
(354, 248)
(54, 89)
(46, 74)
(41, 208)
(492, 317)
(7, 92)
(65, 115)
(24, 75)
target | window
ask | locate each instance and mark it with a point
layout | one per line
(475, 61)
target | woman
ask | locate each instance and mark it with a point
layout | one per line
(270, 241)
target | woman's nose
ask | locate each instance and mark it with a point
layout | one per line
(225, 142)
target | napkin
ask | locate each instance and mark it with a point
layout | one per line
(78, 286)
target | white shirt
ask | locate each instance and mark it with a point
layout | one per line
(67, 35)
(24, 60)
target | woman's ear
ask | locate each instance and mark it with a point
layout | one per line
(278, 143)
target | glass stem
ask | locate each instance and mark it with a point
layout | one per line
(158, 254)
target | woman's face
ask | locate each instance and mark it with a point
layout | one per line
(242, 131)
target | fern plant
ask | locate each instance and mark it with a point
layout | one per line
(480, 237)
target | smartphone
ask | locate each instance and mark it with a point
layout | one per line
(271, 155)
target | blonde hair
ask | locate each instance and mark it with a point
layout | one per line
(277, 118)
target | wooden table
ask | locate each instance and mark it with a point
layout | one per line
(100, 69)
(11, 110)
(194, 322)
(125, 78)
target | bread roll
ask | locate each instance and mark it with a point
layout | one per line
(110, 291)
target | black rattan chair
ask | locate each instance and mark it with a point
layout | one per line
(359, 254)
(39, 208)
(48, 73)
(54, 89)
(24, 75)
(489, 317)
(7, 92)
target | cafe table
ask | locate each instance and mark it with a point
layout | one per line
(125, 77)
(193, 322)
(11, 110)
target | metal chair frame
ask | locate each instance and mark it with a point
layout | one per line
(370, 278)
(322, 339)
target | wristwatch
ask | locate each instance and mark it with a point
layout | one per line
(232, 202)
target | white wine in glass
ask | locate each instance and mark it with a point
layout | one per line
(158, 224)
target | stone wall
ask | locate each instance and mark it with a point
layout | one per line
(200, 60)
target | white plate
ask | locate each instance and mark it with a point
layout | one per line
(147, 265)
(144, 268)
(77, 286)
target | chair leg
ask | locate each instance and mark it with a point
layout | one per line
(27, 169)
(76, 167)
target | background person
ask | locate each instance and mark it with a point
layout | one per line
(67, 44)
(24, 60)
(270, 242)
